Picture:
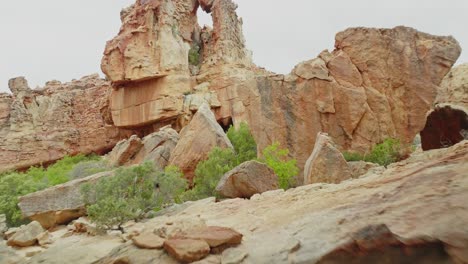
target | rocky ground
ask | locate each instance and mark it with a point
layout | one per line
(413, 212)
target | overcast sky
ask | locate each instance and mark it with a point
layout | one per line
(63, 39)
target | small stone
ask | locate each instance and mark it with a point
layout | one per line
(44, 238)
(26, 236)
(187, 250)
(148, 240)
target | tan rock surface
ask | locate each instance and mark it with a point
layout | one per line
(197, 139)
(8, 256)
(42, 126)
(187, 250)
(26, 235)
(326, 164)
(247, 179)
(216, 236)
(58, 204)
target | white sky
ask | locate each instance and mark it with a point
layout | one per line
(63, 39)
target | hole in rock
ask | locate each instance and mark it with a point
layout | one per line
(445, 127)
(226, 123)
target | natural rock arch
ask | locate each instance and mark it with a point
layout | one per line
(445, 126)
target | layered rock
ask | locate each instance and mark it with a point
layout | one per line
(247, 179)
(447, 123)
(197, 139)
(326, 164)
(59, 204)
(376, 84)
(42, 126)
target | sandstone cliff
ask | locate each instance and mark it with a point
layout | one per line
(376, 84)
(41, 126)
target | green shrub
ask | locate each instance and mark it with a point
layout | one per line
(385, 153)
(16, 184)
(131, 193)
(171, 185)
(243, 142)
(194, 55)
(127, 195)
(209, 172)
(277, 159)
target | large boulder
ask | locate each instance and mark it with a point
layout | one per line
(156, 147)
(326, 164)
(447, 123)
(247, 179)
(26, 235)
(197, 139)
(58, 204)
(43, 125)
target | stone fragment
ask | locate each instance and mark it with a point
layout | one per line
(124, 151)
(247, 179)
(197, 139)
(216, 236)
(44, 239)
(26, 236)
(187, 250)
(315, 68)
(148, 240)
(326, 164)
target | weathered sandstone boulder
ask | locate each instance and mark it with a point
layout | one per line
(326, 164)
(187, 250)
(197, 139)
(26, 236)
(247, 179)
(42, 126)
(58, 204)
(148, 240)
(216, 236)
(124, 151)
(447, 123)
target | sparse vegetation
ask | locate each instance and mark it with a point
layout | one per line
(385, 153)
(16, 184)
(194, 55)
(131, 193)
(284, 167)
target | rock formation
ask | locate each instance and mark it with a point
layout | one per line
(247, 179)
(376, 84)
(26, 235)
(326, 164)
(197, 139)
(42, 126)
(447, 123)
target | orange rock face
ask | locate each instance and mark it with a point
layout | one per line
(42, 126)
(376, 84)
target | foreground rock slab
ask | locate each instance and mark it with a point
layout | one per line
(148, 240)
(247, 179)
(216, 236)
(58, 204)
(326, 164)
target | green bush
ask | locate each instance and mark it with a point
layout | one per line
(243, 142)
(194, 55)
(385, 153)
(171, 185)
(16, 184)
(209, 172)
(131, 193)
(277, 159)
